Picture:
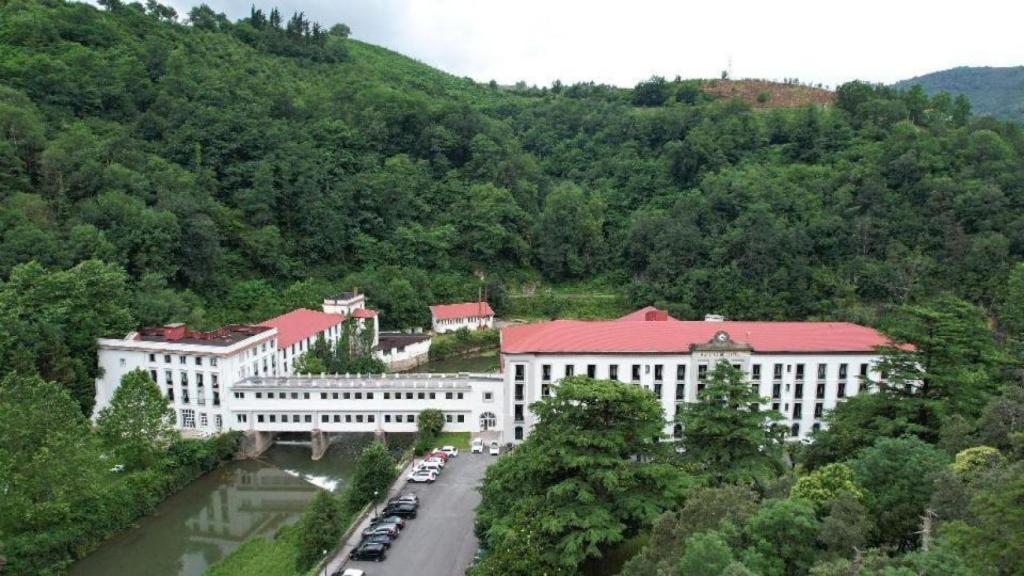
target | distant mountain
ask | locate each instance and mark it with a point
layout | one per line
(995, 91)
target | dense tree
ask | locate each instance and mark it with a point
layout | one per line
(49, 460)
(570, 235)
(319, 529)
(726, 435)
(375, 469)
(138, 424)
(589, 475)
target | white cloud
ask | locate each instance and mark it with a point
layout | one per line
(623, 42)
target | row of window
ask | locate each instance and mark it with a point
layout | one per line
(702, 371)
(187, 419)
(339, 418)
(200, 378)
(358, 395)
(198, 360)
(329, 335)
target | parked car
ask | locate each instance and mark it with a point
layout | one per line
(432, 466)
(478, 446)
(389, 530)
(451, 451)
(423, 475)
(495, 448)
(369, 551)
(379, 539)
(350, 572)
(410, 497)
(435, 460)
(382, 519)
(401, 510)
(439, 454)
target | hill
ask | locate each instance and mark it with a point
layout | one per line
(212, 171)
(767, 94)
(994, 91)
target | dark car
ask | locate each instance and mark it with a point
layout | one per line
(396, 520)
(410, 498)
(391, 531)
(401, 510)
(378, 539)
(369, 551)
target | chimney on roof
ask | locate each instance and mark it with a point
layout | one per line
(714, 318)
(656, 316)
(174, 331)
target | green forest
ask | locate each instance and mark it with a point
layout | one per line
(158, 167)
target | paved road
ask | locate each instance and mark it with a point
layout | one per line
(440, 541)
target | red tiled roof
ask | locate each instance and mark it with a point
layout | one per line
(579, 336)
(300, 324)
(364, 313)
(463, 310)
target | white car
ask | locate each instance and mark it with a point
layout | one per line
(495, 449)
(434, 467)
(350, 572)
(434, 460)
(423, 475)
(451, 451)
(478, 446)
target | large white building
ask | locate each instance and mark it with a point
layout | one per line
(803, 368)
(469, 315)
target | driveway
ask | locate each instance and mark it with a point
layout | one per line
(440, 541)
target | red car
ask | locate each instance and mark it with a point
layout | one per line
(438, 454)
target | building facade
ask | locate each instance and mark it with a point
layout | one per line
(469, 315)
(802, 369)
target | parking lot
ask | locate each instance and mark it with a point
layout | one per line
(440, 541)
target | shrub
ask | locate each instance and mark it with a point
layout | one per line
(318, 530)
(375, 470)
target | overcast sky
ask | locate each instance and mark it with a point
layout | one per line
(623, 42)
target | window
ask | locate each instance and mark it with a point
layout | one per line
(408, 395)
(570, 370)
(270, 395)
(775, 406)
(447, 395)
(634, 373)
(681, 372)
(214, 380)
(795, 430)
(168, 377)
(369, 395)
(184, 378)
(188, 418)
(410, 418)
(702, 372)
(776, 390)
(519, 432)
(199, 379)
(487, 396)
(545, 390)
(520, 372)
(545, 372)
(182, 360)
(657, 389)
(152, 357)
(348, 418)
(842, 371)
(461, 418)
(864, 370)
(170, 394)
(167, 358)
(519, 413)
(432, 396)
(305, 395)
(458, 395)
(777, 372)
(323, 395)
(420, 395)
(359, 418)
(199, 360)
(819, 409)
(799, 391)
(841, 392)
(240, 395)
(152, 375)
(273, 418)
(816, 426)
(387, 418)
(820, 392)
(591, 371)
(448, 418)
(755, 372)
(658, 372)
(259, 417)
(822, 371)
(213, 362)
(346, 395)
(798, 411)
(216, 398)
(325, 418)
(295, 395)
(799, 371)
(337, 418)
(369, 418)
(680, 390)
(613, 372)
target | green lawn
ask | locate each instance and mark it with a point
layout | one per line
(260, 557)
(458, 439)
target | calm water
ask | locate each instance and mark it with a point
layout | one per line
(211, 517)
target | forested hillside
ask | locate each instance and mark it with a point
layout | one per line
(223, 171)
(995, 91)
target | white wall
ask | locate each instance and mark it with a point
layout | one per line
(533, 384)
(468, 322)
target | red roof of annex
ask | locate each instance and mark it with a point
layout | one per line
(300, 324)
(461, 310)
(650, 330)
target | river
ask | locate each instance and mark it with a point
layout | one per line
(215, 514)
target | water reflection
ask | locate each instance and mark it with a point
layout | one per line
(214, 515)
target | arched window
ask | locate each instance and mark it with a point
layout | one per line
(796, 429)
(677, 431)
(487, 421)
(519, 432)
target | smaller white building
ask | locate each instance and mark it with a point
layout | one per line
(401, 351)
(469, 315)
